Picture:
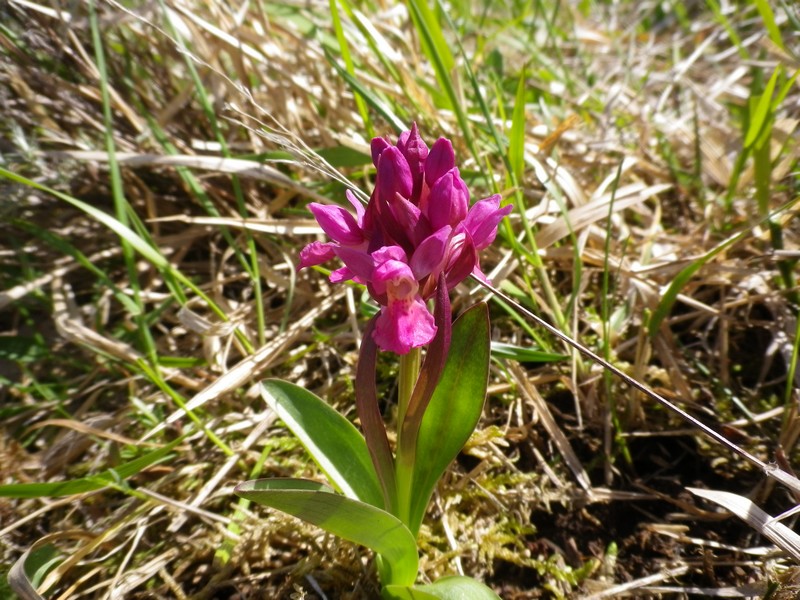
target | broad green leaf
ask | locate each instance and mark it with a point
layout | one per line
(332, 441)
(347, 518)
(446, 588)
(87, 484)
(406, 592)
(455, 407)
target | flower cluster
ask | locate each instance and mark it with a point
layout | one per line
(417, 225)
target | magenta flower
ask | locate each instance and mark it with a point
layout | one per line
(417, 226)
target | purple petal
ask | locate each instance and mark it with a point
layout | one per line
(403, 325)
(339, 224)
(462, 258)
(358, 206)
(483, 219)
(441, 159)
(377, 146)
(359, 262)
(316, 253)
(430, 254)
(404, 221)
(394, 175)
(478, 274)
(448, 200)
(343, 274)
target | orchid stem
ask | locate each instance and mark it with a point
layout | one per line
(409, 372)
(406, 453)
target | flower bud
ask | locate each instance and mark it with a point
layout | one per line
(440, 160)
(394, 175)
(415, 151)
(377, 146)
(448, 201)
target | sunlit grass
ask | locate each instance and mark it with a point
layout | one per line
(647, 149)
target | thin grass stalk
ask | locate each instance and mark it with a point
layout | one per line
(613, 424)
(121, 207)
(770, 470)
(155, 376)
(344, 50)
(250, 264)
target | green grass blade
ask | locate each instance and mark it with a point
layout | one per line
(344, 50)
(124, 232)
(516, 138)
(680, 280)
(434, 42)
(140, 245)
(121, 207)
(765, 10)
(87, 484)
(524, 354)
(762, 111)
(381, 107)
(438, 52)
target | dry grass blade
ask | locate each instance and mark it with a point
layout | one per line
(19, 581)
(216, 164)
(631, 587)
(530, 393)
(596, 210)
(250, 367)
(744, 508)
(70, 325)
(226, 121)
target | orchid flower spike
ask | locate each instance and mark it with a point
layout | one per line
(417, 225)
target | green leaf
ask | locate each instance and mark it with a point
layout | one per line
(681, 279)
(455, 407)
(347, 518)
(768, 17)
(524, 354)
(516, 141)
(446, 588)
(762, 110)
(87, 484)
(31, 568)
(22, 349)
(344, 156)
(332, 441)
